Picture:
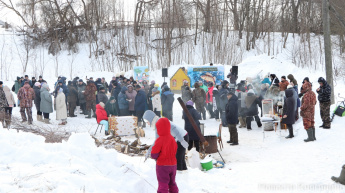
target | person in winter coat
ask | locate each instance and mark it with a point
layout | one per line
(167, 100)
(274, 80)
(41, 80)
(324, 92)
(223, 92)
(194, 139)
(266, 80)
(102, 116)
(292, 79)
(116, 90)
(289, 111)
(33, 81)
(180, 135)
(252, 102)
(232, 117)
(295, 96)
(140, 103)
(26, 80)
(209, 99)
(26, 94)
(199, 98)
(149, 95)
(101, 96)
(62, 84)
(308, 111)
(164, 151)
(104, 84)
(3, 105)
(111, 107)
(11, 103)
(306, 79)
(204, 87)
(123, 102)
(232, 77)
(46, 104)
(61, 108)
(37, 100)
(17, 85)
(90, 98)
(131, 94)
(72, 99)
(283, 84)
(156, 102)
(146, 87)
(81, 97)
(186, 92)
(216, 101)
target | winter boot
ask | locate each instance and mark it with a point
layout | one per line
(88, 113)
(341, 178)
(94, 114)
(39, 118)
(46, 121)
(310, 135)
(242, 122)
(106, 133)
(314, 133)
(290, 134)
(322, 125)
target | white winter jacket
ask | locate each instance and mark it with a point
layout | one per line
(9, 96)
(156, 101)
(61, 109)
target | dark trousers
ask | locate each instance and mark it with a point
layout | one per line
(210, 110)
(131, 113)
(46, 115)
(233, 133)
(39, 112)
(72, 106)
(249, 121)
(139, 115)
(325, 113)
(83, 107)
(196, 144)
(158, 113)
(216, 114)
(180, 154)
(290, 128)
(124, 112)
(168, 114)
(8, 115)
(91, 105)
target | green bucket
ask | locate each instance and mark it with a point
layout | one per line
(207, 164)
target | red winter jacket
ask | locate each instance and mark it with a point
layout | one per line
(209, 95)
(101, 113)
(165, 146)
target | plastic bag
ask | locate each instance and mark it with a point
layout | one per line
(194, 159)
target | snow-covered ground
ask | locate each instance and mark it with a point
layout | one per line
(274, 164)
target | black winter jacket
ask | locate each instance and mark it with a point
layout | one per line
(167, 100)
(252, 110)
(232, 110)
(289, 107)
(324, 92)
(223, 98)
(188, 125)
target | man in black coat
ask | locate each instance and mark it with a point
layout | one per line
(223, 100)
(232, 117)
(252, 102)
(72, 99)
(289, 111)
(101, 96)
(194, 139)
(324, 98)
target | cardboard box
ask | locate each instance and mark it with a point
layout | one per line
(123, 125)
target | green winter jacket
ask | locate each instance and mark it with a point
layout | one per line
(111, 108)
(46, 104)
(17, 86)
(204, 87)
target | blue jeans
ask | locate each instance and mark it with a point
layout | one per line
(105, 123)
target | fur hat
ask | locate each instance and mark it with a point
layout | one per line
(37, 84)
(102, 104)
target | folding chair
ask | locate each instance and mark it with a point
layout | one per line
(98, 126)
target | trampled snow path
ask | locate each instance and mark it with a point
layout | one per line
(28, 164)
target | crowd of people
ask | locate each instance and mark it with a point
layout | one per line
(230, 103)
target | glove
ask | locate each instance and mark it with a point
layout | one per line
(184, 144)
(300, 95)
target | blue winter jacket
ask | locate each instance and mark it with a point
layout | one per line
(140, 101)
(121, 99)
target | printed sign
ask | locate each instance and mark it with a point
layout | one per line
(206, 74)
(141, 73)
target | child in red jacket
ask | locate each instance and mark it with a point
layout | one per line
(164, 151)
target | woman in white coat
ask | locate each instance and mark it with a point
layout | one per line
(156, 102)
(11, 103)
(61, 109)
